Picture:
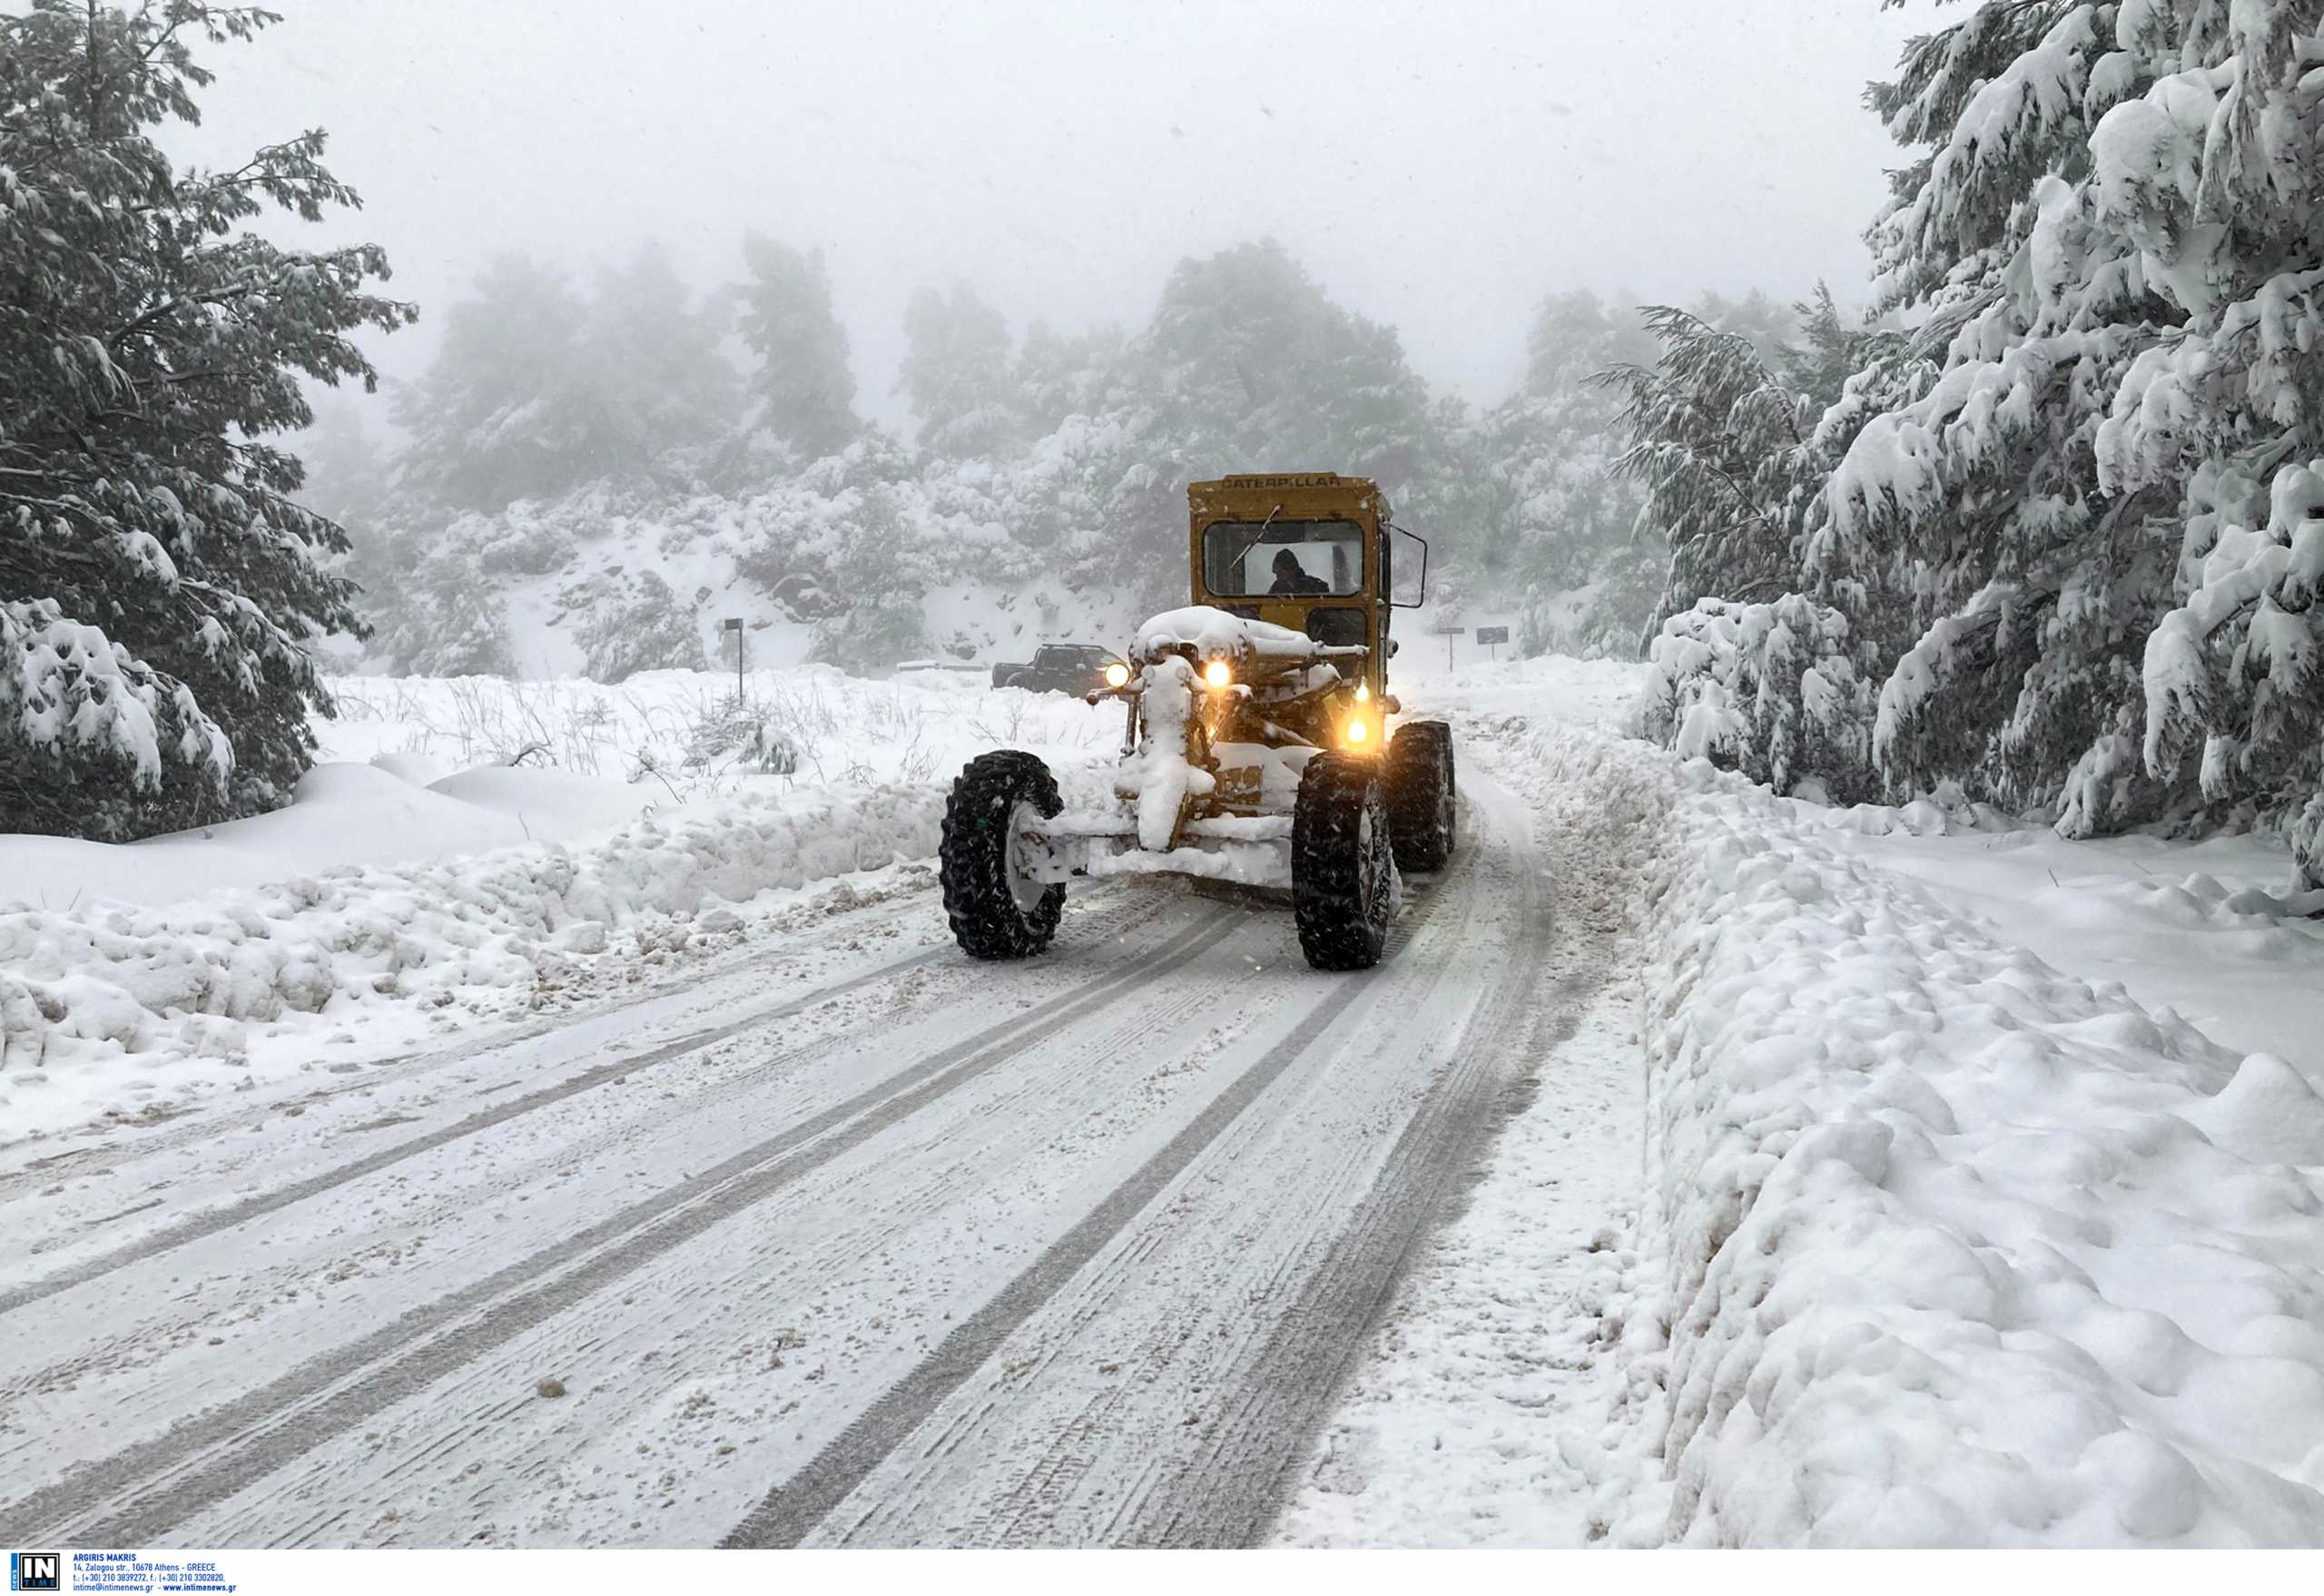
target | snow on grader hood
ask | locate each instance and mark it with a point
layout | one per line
(1256, 748)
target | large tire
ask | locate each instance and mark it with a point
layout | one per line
(1420, 808)
(1343, 863)
(993, 914)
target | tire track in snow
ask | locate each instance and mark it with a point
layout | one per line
(257, 1205)
(197, 1126)
(793, 1510)
(1231, 1490)
(268, 1202)
(925, 1203)
(150, 1486)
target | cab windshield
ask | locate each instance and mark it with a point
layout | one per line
(1283, 559)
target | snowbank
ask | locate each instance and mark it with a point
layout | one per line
(390, 813)
(421, 868)
(1955, 1250)
(91, 997)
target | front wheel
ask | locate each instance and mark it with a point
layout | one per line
(1420, 808)
(1342, 865)
(996, 909)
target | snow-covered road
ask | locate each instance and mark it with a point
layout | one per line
(1810, 1177)
(851, 1241)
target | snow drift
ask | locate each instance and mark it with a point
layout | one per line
(1953, 1249)
(97, 989)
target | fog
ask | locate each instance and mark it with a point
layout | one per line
(1437, 168)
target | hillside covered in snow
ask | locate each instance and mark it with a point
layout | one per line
(560, 505)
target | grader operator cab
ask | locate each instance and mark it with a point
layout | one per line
(1256, 749)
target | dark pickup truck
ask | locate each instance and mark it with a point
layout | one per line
(1057, 667)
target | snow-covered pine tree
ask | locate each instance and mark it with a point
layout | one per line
(490, 421)
(347, 474)
(1735, 437)
(2208, 166)
(803, 384)
(443, 615)
(1720, 445)
(535, 391)
(1248, 365)
(634, 621)
(1773, 689)
(158, 582)
(1546, 523)
(657, 398)
(1060, 375)
(1766, 322)
(2107, 234)
(958, 375)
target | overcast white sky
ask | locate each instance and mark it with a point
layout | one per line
(1437, 166)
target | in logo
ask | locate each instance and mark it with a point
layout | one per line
(36, 1571)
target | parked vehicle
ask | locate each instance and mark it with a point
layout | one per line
(1078, 668)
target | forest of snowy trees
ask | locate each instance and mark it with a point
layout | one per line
(1057, 457)
(2040, 524)
(2056, 546)
(552, 410)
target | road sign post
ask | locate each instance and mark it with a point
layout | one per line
(1451, 629)
(1492, 637)
(734, 624)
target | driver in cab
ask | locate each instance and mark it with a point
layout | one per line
(1291, 578)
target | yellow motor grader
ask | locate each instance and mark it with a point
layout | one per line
(1257, 749)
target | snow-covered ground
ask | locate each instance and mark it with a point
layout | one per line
(1872, 1175)
(1944, 1183)
(421, 881)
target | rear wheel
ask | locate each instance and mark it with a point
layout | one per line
(1342, 865)
(997, 912)
(1419, 778)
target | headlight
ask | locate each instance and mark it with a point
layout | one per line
(1217, 673)
(1117, 675)
(1357, 731)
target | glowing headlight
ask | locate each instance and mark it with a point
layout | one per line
(1217, 673)
(1364, 691)
(1357, 731)
(1117, 675)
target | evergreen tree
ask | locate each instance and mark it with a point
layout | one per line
(1720, 445)
(654, 395)
(2109, 196)
(1764, 321)
(502, 413)
(957, 375)
(1060, 375)
(535, 392)
(346, 476)
(447, 619)
(159, 583)
(803, 385)
(636, 623)
(1247, 365)
(2209, 166)
(1735, 440)
(1542, 517)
